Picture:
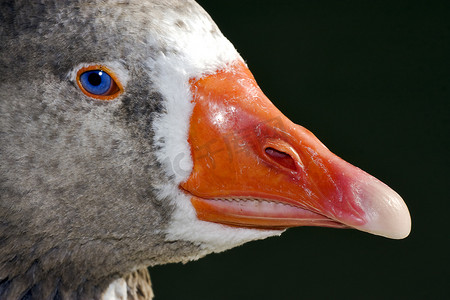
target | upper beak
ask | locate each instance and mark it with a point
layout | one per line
(253, 167)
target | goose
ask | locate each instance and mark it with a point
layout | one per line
(133, 134)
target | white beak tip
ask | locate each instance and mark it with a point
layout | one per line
(387, 213)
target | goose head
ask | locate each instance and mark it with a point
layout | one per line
(133, 134)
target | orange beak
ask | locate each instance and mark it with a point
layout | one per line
(254, 168)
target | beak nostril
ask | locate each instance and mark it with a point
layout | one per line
(281, 158)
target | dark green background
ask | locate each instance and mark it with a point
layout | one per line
(371, 79)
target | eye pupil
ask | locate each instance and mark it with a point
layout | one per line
(95, 78)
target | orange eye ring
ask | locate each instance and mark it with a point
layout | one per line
(112, 90)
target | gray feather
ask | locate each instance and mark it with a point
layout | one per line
(78, 177)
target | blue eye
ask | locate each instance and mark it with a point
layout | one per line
(98, 82)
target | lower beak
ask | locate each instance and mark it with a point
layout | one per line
(254, 168)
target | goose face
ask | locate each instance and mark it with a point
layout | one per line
(117, 121)
(87, 182)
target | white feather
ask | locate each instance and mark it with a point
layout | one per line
(200, 52)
